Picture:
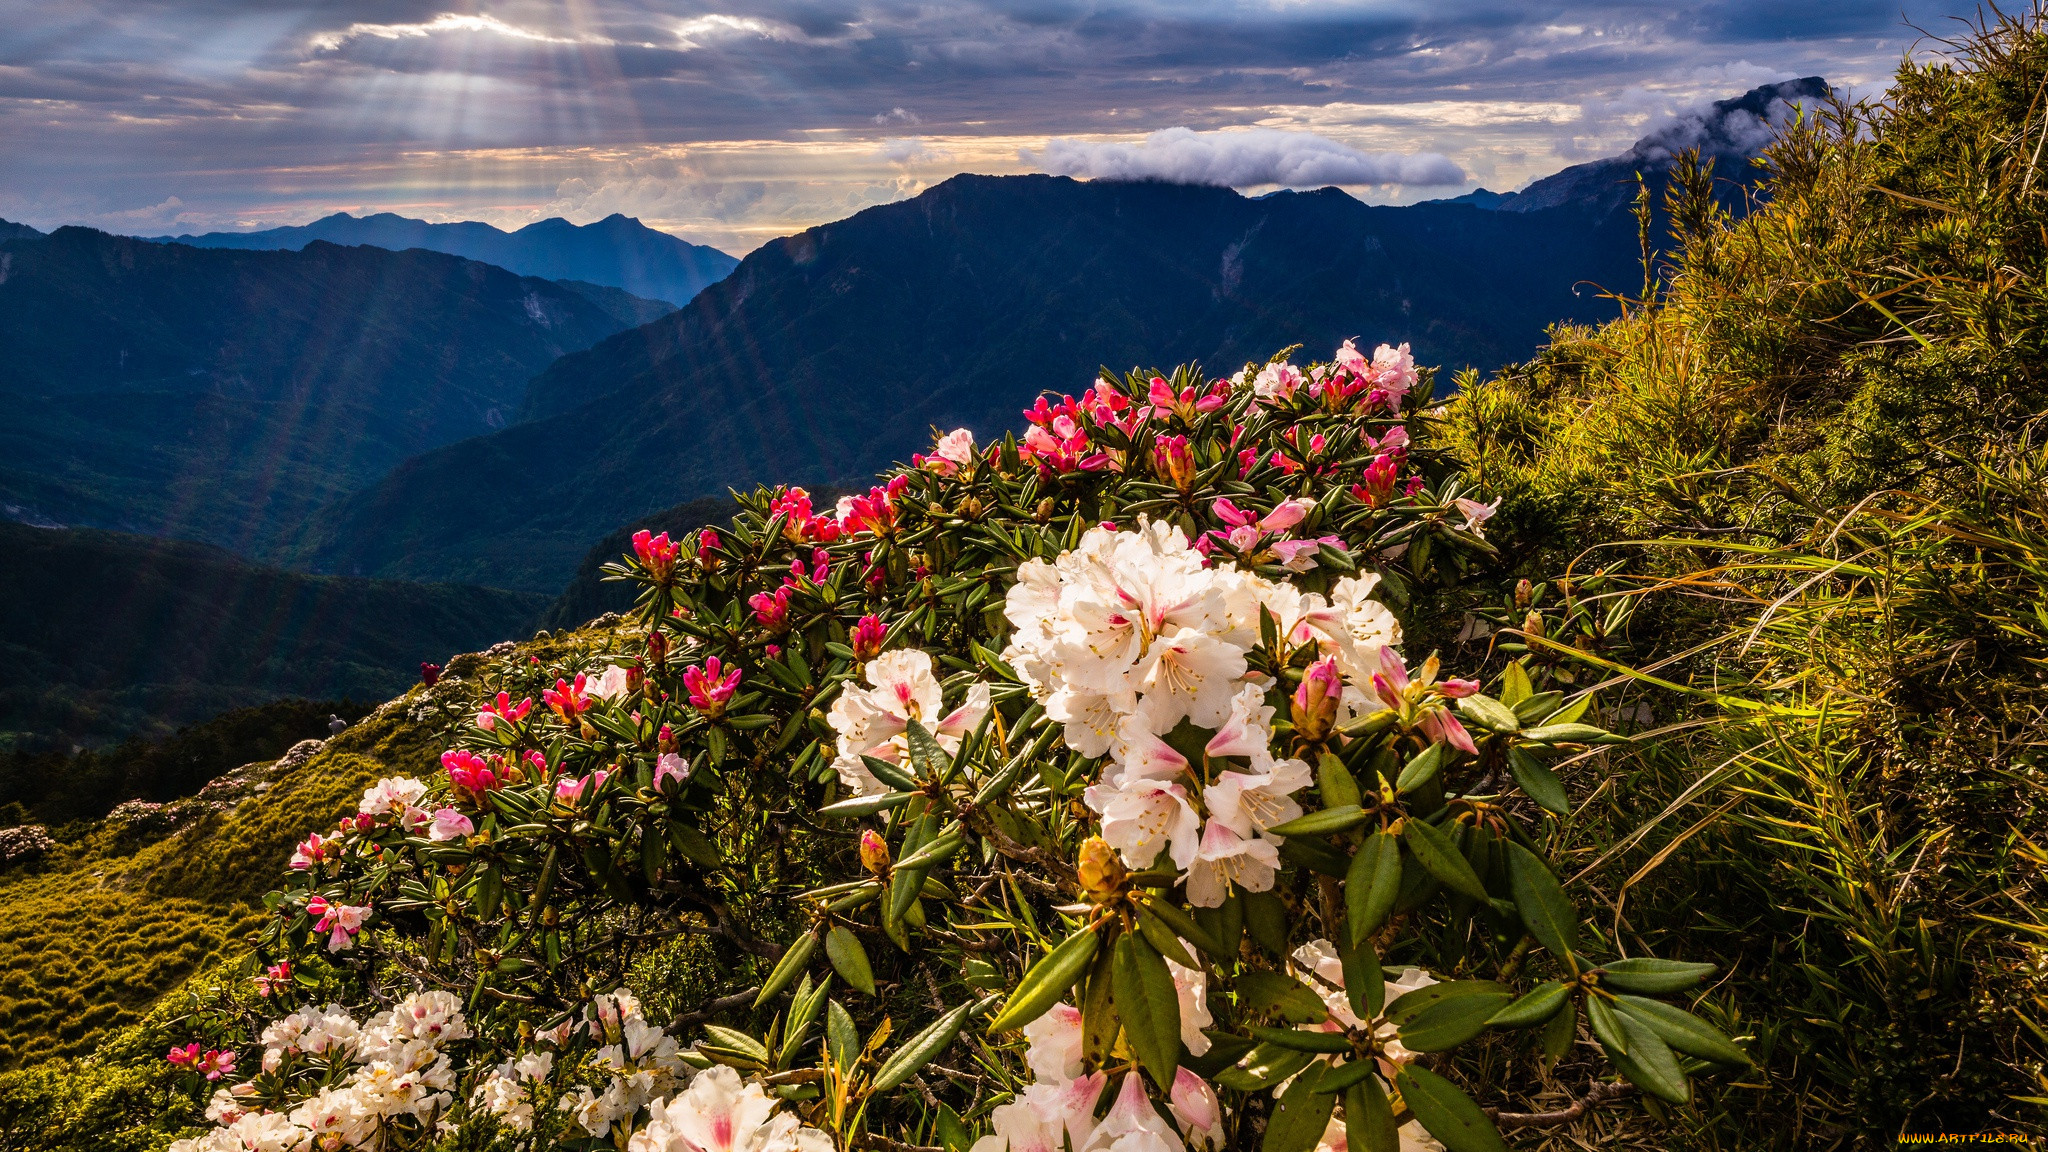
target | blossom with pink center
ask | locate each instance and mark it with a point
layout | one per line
(1276, 383)
(341, 922)
(711, 686)
(1132, 1124)
(670, 766)
(1047, 1117)
(875, 512)
(719, 1112)
(450, 825)
(570, 789)
(954, 451)
(1225, 858)
(1476, 514)
(1056, 1051)
(186, 1057)
(216, 1064)
(866, 638)
(1300, 555)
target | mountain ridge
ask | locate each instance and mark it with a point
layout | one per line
(616, 252)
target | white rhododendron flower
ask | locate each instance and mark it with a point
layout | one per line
(1046, 1118)
(392, 794)
(872, 721)
(1225, 858)
(1056, 1052)
(717, 1113)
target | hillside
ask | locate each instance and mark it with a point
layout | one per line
(221, 395)
(827, 354)
(617, 251)
(105, 635)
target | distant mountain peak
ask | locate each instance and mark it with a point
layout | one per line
(615, 252)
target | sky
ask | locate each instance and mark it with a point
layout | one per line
(732, 122)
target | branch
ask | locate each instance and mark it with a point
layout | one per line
(1596, 1095)
(715, 1007)
(888, 1145)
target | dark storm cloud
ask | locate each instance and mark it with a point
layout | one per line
(113, 106)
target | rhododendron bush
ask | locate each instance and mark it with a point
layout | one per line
(1076, 791)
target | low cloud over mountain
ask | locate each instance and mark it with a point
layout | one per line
(1243, 159)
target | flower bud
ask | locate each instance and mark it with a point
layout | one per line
(1533, 624)
(1523, 592)
(1043, 512)
(1316, 700)
(1173, 462)
(867, 638)
(874, 852)
(1101, 872)
(657, 647)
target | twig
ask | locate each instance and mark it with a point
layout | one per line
(1596, 1095)
(715, 1007)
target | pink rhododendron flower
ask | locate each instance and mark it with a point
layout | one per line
(708, 543)
(450, 825)
(1299, 555)
(771, 612)
(568, 699)
(471, 774)
(711, 686)
(503, 710)
(315, 849)
(1196, 1109)
(1476, 514)
(1316, 700)
(1173, 462)
(1377, 485)
(670, 765)
(216, 1064)
(185, 1057)
(657, 554)
(954, 451)
(866, 638)
(275, 977)
(801, 523)
(341, 922)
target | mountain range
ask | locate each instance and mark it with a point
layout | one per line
(224, 396)
(617, 251)
(104, 635)
(828, 354)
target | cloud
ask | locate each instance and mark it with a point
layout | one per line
(1243, 158)
(334, 41)
(896, 116)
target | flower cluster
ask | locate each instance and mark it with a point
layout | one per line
(399, 1074)
(873, 722)
(637, 1060)
(1131, 635)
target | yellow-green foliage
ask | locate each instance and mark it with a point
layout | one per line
(1818, 454)
(93, 935)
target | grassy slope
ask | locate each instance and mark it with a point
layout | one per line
(1826, 430)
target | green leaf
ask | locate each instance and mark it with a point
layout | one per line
(1435, 852)
(849, 959)
(1572, 734)
(1338, 1078)
(1682, 1030)
(1547, 911)
(841, 1041)
(1489, 713)
(1149, 1007)
(929, 759)
(1369, 1118)
(792, 963)
(1338, 788)
(1573, 712)
(1265, 917)
(1263, 1067)
(1514, 685)
(1413, 1003)
(1538, 707)
(1365, 985)
(1184, 926)
(1606, 1026)
(1323, 823)
(1645, 974)
(1537, 781)
(1099, 1024)
(920, 1049)
(867, 805)
(1558, 1034)
(1301, 1038)
(1537, 1007)
(734, 1041)
(1422, 769)
(1648, 1063)
(1371, 884)
(1449, 1023)
(891, 774)
(1299, 1118)
(1314, 853)
(1162, 939)
(1447, 1112)
(1268, 991)
(1047, 981)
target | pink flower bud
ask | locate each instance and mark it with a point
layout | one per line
(874, 852)
(1316, 700)
(867, 638)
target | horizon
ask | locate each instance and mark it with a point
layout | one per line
(757, 120)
